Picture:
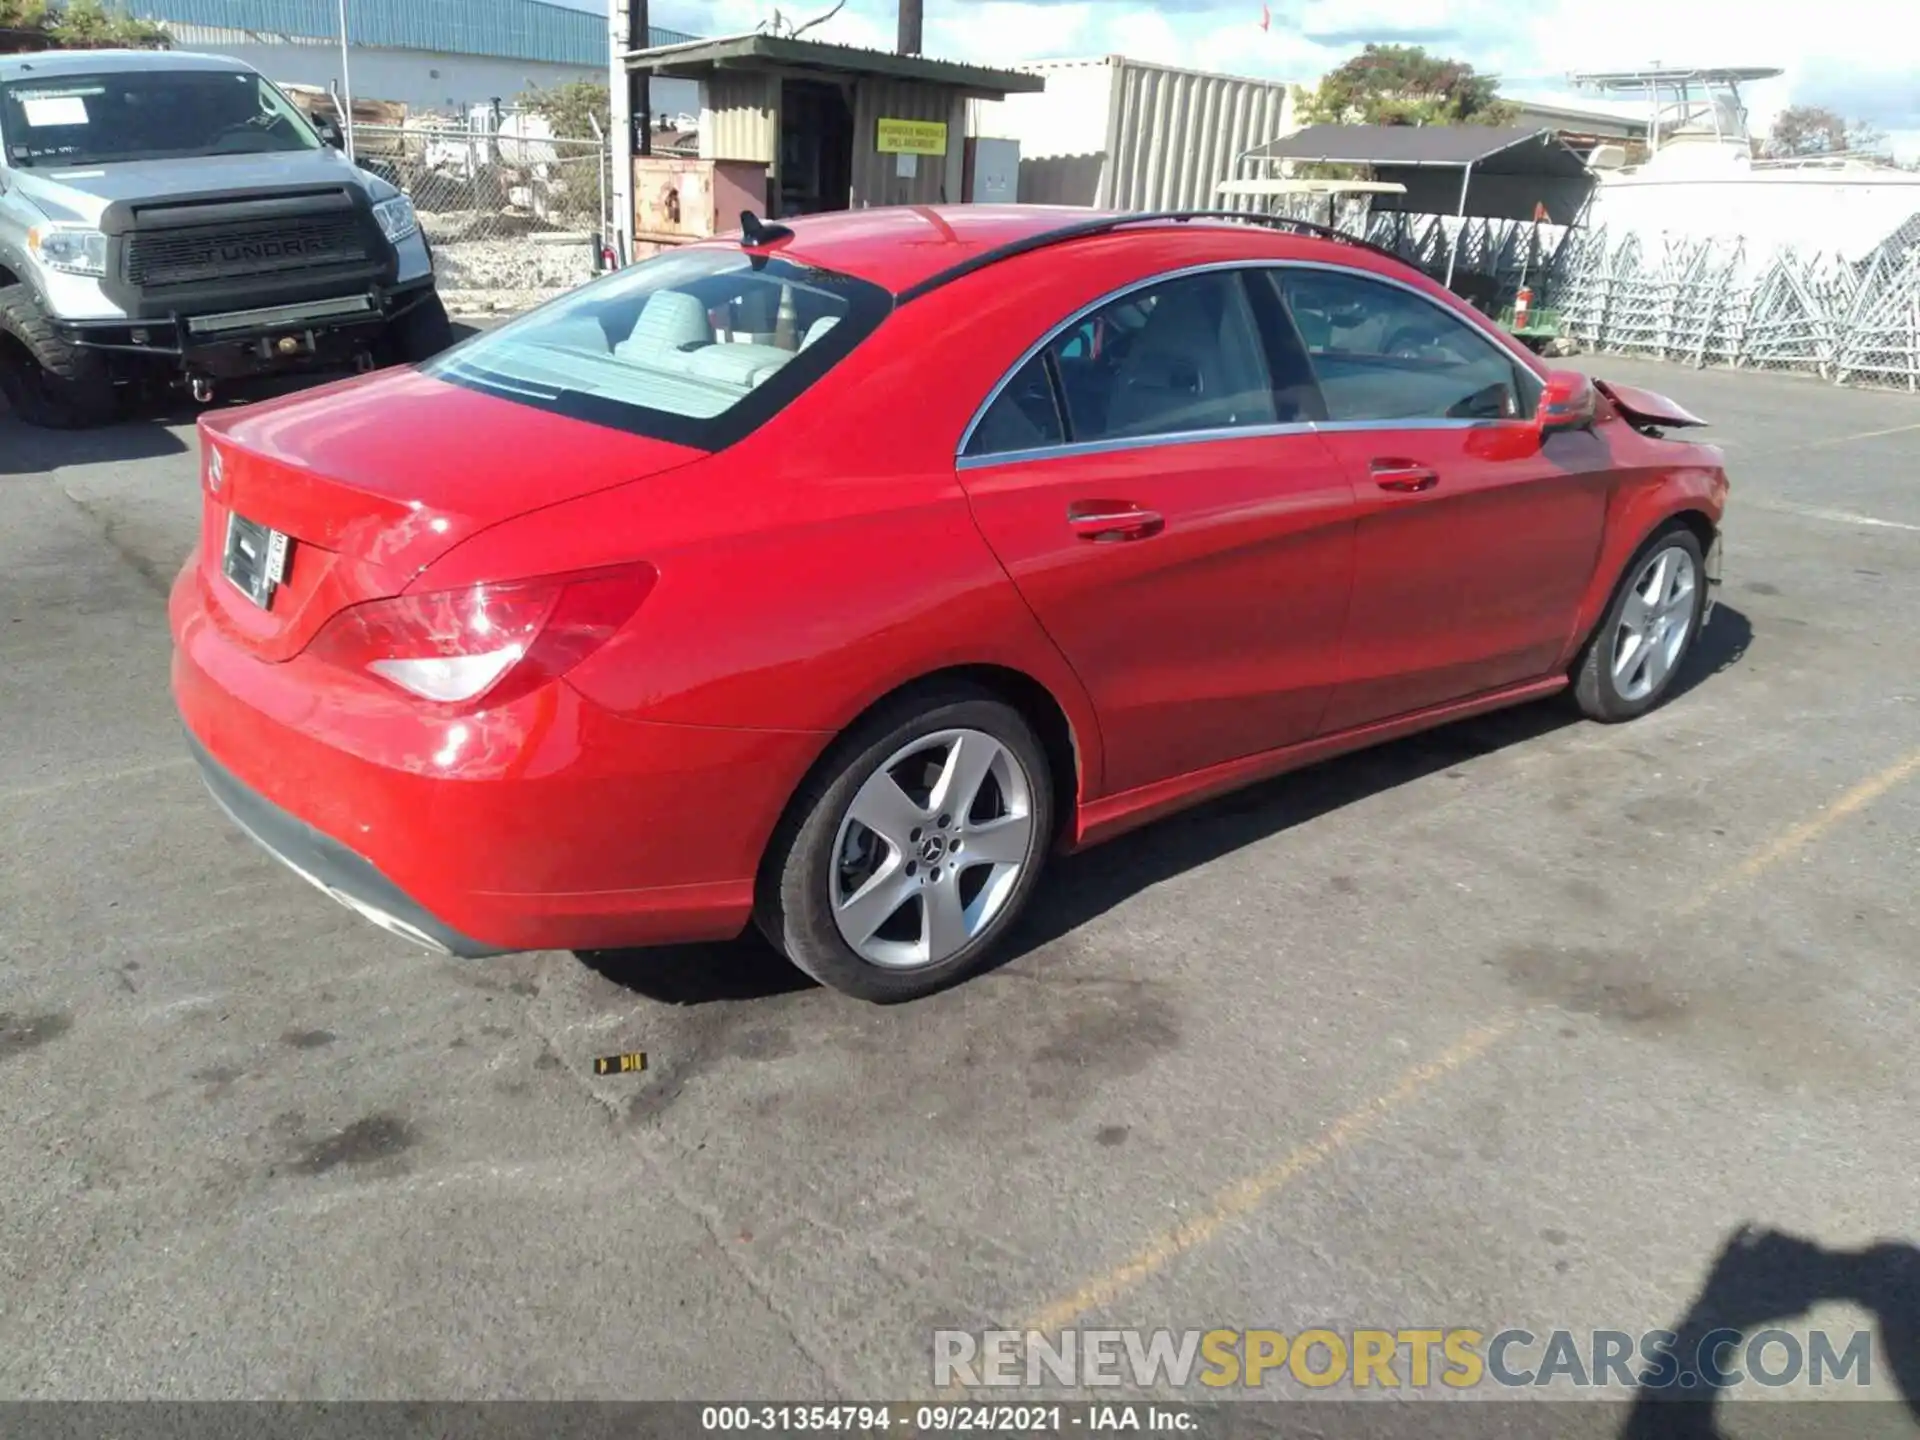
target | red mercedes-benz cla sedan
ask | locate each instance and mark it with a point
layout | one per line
(831, 576)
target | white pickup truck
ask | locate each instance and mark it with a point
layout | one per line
(176, 216)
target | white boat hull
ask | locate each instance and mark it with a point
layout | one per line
(1841, 214)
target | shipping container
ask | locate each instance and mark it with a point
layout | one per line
(1124, 134)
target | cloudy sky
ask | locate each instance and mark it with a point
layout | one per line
(1861, 57)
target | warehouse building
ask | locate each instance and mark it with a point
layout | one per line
(425, 54)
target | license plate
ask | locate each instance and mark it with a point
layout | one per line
(255, 559)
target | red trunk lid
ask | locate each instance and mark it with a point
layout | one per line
(376, 477)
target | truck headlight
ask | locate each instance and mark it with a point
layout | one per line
(75, 252)
(396, 217)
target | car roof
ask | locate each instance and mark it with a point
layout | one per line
(104, 62)
(900, 247)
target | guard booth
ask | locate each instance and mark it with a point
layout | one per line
(791, 127)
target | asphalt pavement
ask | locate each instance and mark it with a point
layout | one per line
(1515, 1024)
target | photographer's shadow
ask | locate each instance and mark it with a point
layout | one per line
(1763, 1278)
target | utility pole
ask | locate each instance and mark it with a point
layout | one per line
(346, 84)
(619, 137)
(620, 147)
(910, 16)
(640, 96)
(630, 97)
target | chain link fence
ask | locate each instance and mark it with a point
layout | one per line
(1711, 302)
(514, 215)
(1696, 300)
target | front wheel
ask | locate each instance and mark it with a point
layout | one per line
(1633, 655)
(47, 381)
(912, 853)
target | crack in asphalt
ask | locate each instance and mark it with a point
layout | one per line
(148, 572)
(614, 1112)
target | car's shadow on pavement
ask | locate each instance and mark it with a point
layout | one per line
(145, 429)
(1080, 888)
(27, 451)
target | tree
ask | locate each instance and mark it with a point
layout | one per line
(74, 25)
(1404, 85)
(1818, 130)
(567, 108)
(90, 25)
(23, 16)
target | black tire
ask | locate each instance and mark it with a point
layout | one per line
(1595, 690)
(420, 333)
(794, 905)
(49, 383)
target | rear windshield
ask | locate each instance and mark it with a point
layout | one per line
(69, 120)
(695, 346)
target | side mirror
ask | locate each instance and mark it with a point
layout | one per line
(330, 131)
(1569, 402)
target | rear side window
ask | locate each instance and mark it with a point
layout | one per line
(1383, 354)
(1181, 357)
(1024, 416)
(696, 347)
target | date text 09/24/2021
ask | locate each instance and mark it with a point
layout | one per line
(977, 1419)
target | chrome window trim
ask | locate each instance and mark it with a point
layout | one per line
(1418, 422)
(1136, 442)
(964, 461)
(1111, 297)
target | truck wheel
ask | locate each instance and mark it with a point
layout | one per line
(48, 382)
(420, 333)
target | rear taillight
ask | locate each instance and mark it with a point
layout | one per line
(484, 642)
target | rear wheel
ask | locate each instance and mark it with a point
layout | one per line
(1633, 655)
(914, 850)
(48, 382)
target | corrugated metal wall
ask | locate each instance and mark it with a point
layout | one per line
(1124, 133)
(509, 29)
(1068, 118)
(1175, 135)
(740, 116)
(876, 180)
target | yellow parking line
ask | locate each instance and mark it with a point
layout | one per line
(1849, 439)
(1799, 836)
(1245, 1195)
(1242, 1196)
(103, 777)
(1838, 517)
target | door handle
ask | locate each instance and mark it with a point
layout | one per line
(1404, 475)
(1105, 521)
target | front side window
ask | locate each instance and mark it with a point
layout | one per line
(1175, 358)
(695, 346)
(131, 115)
(1381, 353)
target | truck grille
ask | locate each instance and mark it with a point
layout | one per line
(270, 247)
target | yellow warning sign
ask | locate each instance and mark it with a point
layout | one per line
(911, 137)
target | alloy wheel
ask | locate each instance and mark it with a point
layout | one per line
(1655, 623)
(931, 849)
